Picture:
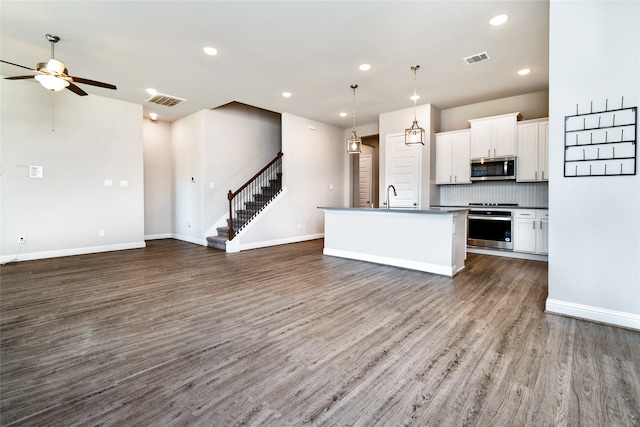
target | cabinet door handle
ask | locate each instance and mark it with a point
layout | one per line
(534, 225)
(542, 175)
(536, 175)
(450, 178)
(489, 152)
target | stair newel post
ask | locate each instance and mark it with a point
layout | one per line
(231, 231)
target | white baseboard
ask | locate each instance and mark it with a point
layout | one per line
(195, 240)
(267, 243)
(596, 314)
(30, 256)
(508, 254)
(443, 270)
(158, 236)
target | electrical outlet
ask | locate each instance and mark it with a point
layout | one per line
(22, 240)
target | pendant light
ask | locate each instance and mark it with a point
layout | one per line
(415, 134)
(354, 142)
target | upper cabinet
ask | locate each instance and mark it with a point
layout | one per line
(494, 136)
(532, 149)
(452, 157)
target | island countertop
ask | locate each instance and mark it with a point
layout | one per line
(430, 240)
(438, 210)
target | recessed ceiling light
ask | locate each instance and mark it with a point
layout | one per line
(286, 94)
(210, 50)
(343, 114)
(499, 20)
(364, 67)
(414, 97)
(151, 91)
(153, 116)
(524, 71)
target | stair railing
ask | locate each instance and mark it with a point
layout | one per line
(260, 189)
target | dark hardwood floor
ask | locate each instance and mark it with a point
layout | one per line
(180, 335)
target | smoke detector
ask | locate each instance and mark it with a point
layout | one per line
(478, 57)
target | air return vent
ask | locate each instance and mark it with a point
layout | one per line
(478, 57)
(166, 100)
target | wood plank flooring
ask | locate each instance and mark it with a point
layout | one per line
(180, 335)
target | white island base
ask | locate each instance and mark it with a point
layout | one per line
(433, 241)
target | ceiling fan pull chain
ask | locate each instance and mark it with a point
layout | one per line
(53, 112)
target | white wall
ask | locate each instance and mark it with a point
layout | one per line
(188, 159)
(158, 200)
(533, 105)
(214, 151)
(314, 174)
(80, 142)
(594, 234)
(240, 140)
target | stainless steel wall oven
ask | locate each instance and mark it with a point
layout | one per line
(488, 228)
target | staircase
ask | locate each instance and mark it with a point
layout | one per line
(248, 201)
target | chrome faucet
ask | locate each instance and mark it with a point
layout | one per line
(388, 202)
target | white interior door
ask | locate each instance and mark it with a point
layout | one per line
(403, 166)
(365, 177)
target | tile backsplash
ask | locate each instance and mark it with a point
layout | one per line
(528, 194)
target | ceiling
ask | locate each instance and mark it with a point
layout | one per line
(309, 48)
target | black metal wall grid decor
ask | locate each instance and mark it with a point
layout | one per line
(601, 142)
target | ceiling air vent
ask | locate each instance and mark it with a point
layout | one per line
(478, 57)
(166, 100)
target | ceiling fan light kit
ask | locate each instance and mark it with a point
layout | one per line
(53, 74)
(51, 82)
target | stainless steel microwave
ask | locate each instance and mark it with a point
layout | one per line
(493, 169)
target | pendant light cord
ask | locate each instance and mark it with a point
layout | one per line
(415, 90)
(354, 87)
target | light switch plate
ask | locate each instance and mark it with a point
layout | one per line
(35, 172)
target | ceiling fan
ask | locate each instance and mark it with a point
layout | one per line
(53, 74)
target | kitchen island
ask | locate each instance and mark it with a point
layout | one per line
(431, 240)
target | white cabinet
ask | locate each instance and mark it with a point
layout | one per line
(532, 150)
(542, 246)
(493, 136)
(531, 231)
(452, 157)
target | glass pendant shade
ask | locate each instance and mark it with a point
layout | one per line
(414, 135)
(354, 143)
(52, 82)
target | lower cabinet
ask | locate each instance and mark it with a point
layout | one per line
(531, 231)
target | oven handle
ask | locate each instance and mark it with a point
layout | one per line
(490, 218)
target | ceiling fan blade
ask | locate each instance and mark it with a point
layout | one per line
(75, 89)
(19, 77)
(92, 82)
(17, 65)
